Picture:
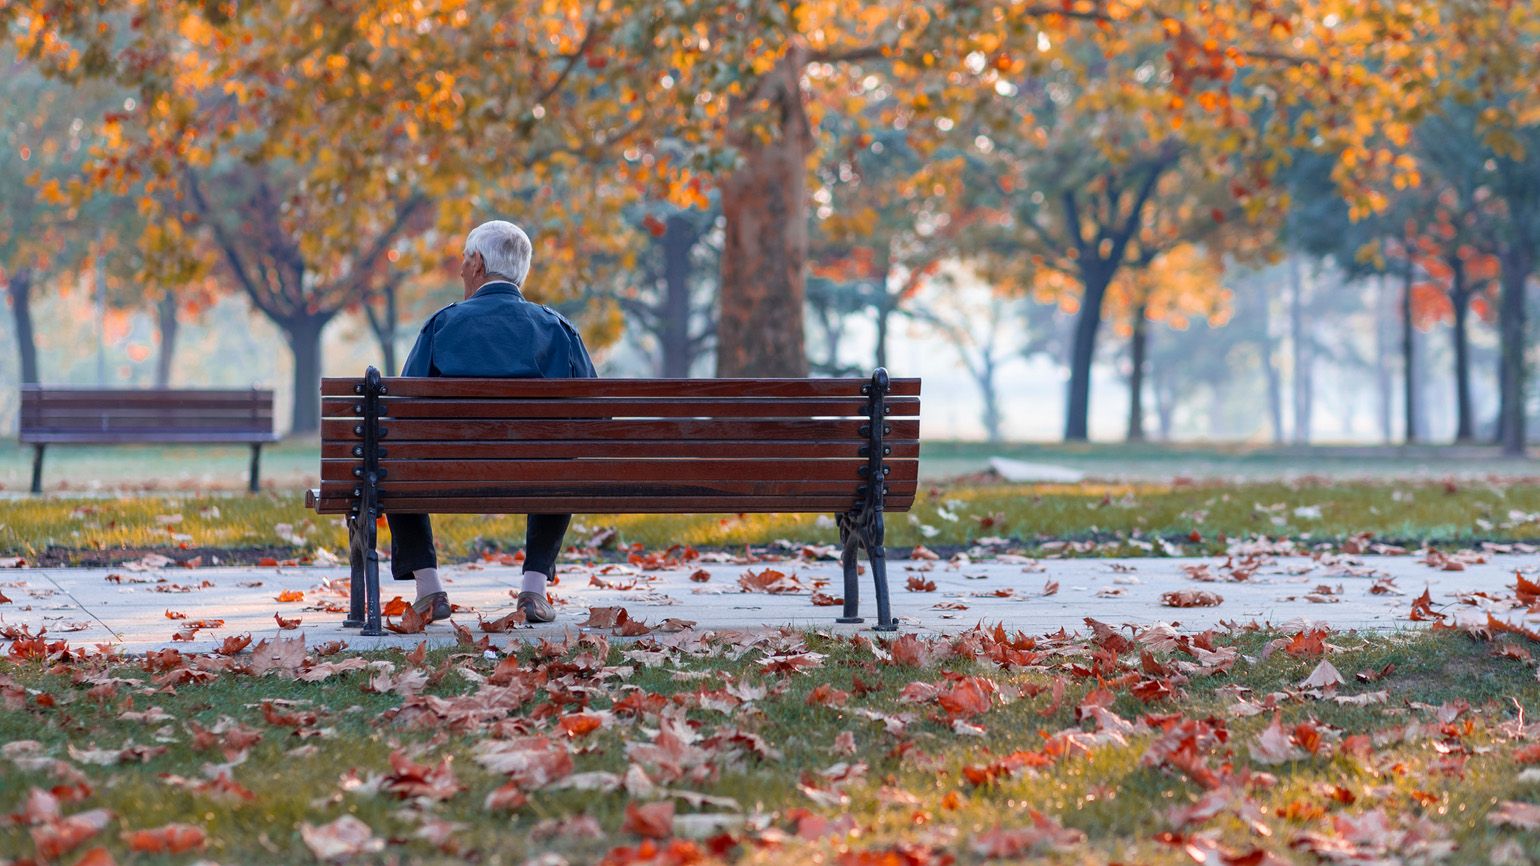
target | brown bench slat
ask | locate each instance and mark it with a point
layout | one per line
(743, 487)
(170, 437)
(437, 388)
(515, 430)
(549, 449)
(606, 505)
(617, 471)
(606, 407)
(51, 393)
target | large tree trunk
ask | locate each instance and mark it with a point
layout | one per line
(1138, 348)
(1517, 262)
(1459, 295)
(678, 241)
(1409, 370)
(1094, 277)
(19, 288)
(304, 338)
(166, 323)
(764, 253)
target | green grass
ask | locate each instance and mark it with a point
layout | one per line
(913, 791)
(1103, 519)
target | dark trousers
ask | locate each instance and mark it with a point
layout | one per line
(411, 543)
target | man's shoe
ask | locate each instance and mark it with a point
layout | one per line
(535, 606)
(433, 607)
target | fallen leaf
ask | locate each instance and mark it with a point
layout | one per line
(170, 839)
(341, 839)
(652, 820)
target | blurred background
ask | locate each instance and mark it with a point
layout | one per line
(1286, 238)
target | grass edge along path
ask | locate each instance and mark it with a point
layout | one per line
(1035, 520)
(1116, 745)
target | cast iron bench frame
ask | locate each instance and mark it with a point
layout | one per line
(53, 415)
(577, 433)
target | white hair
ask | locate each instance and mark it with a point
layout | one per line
(505, 249)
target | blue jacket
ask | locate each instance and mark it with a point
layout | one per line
(497, 334)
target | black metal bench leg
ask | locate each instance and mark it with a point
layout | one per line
(878, 557)
(37, 467)
(356, 576)
(256, 468)
(371, 577)
(850, 548)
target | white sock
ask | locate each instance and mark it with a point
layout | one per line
(534, 581)
(427, 582)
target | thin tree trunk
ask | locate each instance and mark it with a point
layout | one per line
(1517, 262)
(1077, 417)
(764, 202)
(1459, 296)
(166, 323)
(1301, 366)
(1408, 357)
(1382, 379)
(19, 288)
(678, 241)
(1138, 348)
(993, 422)
(884, 317)
(304, 338)
(1270, 371)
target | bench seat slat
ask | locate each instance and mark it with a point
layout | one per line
(617, 471)
(681, 388)
(607, 407)
(609, 505)
(683, 428)
(746, 488)
(548, 449)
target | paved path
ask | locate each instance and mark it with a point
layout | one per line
(129, 608)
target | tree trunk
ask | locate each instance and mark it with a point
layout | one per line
(1383, 386)
(166, 323)
(1459, 295)
(1408, 357)
(993, 422)
(386, 324)
(884, 316)
(304, 338)
(1517, 262)
(1094, 277)
(1270, 371)
(764, 252)
(20, 290)
(1138, 346)
(678, 241)
(1301, 366)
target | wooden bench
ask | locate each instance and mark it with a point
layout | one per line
(632, 446)
(162, 416)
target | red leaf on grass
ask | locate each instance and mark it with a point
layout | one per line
(653, 820)
(170, 839)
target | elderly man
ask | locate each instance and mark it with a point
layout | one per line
(494, 332)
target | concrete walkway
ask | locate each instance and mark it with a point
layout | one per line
(131, 607)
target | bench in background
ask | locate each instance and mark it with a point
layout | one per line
(629, 446)
(163, 416)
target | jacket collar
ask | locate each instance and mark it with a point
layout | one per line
(499, 287)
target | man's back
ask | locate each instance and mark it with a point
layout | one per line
(496, 333)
